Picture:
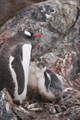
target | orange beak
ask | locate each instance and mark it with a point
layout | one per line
(38, 34)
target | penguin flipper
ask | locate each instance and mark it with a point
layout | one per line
(47, 81)
(18, 68)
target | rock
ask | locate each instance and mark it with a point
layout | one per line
(22, 113)
(71, 100)
(9, 8)
(34, 107)
(75, 63)
(6, 104)
(52, 109)
(78, 95)
(58, 108)
(75, 115)
(49, 58)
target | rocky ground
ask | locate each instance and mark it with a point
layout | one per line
(67, 109)
(59, 47)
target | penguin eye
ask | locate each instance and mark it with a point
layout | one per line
(27, 33)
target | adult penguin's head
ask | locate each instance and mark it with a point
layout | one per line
(29, 35)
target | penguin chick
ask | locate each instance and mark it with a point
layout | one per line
(32, 81)
(34, 61)
(15, 56)
(49, 85)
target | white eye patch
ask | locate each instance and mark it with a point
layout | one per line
(27, 33)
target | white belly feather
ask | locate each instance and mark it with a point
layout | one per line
(26, 49)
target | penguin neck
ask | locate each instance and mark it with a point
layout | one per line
(40, 72)
(33, 64)
(32, 68)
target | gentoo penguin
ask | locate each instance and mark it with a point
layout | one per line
(49, 85)
(32, 82)
(15, 56)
